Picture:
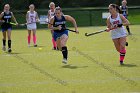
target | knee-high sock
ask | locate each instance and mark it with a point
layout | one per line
(54, 43)
(29, 39)
(9, 43)
(122, 55)
(34, 39)
(4, 42)
(65, 52)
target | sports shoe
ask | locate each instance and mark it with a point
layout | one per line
(29, 45)
(129, 33)
(64, 61)
(121, 63)
(54, 48)
(35, 45)
(9, 50)
(126, 44)
(4, 48)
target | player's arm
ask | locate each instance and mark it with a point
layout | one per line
(71, 19)
(127, 10)
(124, 20)
(50, 25)
(48, 14)
(108, 25)
(1, 15)
(37, 18)
(27, 17)
(13, 18)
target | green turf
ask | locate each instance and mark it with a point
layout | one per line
(93, 65)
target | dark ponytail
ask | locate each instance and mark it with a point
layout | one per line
(116, 7)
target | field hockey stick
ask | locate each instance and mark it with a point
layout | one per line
(21, 24)
(86, 34)
(70, 30)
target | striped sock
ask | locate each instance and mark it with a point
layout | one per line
(122, 55)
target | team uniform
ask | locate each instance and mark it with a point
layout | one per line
(31, 26)
(119, 32)
(7, 19)
(31, 22)
(51, 14)
(124, 13)
(6, 26)
(58, 33)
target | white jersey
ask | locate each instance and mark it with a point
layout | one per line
(119, 32)
(31, 21)
(31, 17)
(51, 14)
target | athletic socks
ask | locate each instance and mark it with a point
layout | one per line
(122, 55)
(65, 52)
(29, 39)
(34, 39)
(9, 43)
(54, 43)
(4, 42)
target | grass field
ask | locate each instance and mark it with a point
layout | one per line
(93, 65)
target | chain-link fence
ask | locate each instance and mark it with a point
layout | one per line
(91, 16)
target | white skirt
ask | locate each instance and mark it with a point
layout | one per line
(31, 26)
(117, 33)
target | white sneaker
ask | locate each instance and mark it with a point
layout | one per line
(4, 48)
(64, 61)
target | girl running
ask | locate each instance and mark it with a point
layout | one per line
(32, 18)
(6, 16)
(60, 35)
(51, 13)
(117, 22)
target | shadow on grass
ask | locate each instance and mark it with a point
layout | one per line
(128, 65)
(73, 67)
(12, 53)
(38, 46)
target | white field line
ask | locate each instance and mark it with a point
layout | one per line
(109, 80)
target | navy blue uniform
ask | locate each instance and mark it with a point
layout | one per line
(58, 33)
(7, 19)
(124, 11)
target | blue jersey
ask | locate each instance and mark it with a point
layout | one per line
(124, 11)
(58, 22)
(7, 19)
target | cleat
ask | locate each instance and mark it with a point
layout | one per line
(129, 33)
(9, 50)
(64, 61)
(57, 48)
(126, 44)
(35, 45)
(29, 45)
(54, 48)
(121, 63)
(4, 48)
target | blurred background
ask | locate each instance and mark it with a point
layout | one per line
(86, 12)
